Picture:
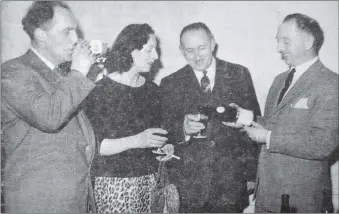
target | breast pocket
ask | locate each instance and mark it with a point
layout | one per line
(298, 116)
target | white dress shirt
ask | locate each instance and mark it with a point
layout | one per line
(46, 61)
(299, 70)
(210, 74)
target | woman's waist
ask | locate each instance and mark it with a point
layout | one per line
(124, 165)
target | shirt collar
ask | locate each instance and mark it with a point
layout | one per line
(210, 72)
(303, 67)
(46, 61)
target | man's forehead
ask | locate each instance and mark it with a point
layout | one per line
(195, 32)
(195, 37)
(287, 28)
(64, 17)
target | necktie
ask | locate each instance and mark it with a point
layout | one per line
(205, 82)
(288, 82)
(61, 71)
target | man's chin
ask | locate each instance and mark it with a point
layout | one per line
(200, 68)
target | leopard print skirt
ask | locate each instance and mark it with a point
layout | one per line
(124, 195)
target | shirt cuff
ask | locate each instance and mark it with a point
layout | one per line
(268, 139)
(187, 137)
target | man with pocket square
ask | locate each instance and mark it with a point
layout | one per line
(299, 130)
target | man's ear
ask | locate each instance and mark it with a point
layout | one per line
(213, 43)
(40, 35)
(181, 49)
(309, 41)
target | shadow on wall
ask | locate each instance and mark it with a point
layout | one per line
(334, 157)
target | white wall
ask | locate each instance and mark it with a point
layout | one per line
(245, 31)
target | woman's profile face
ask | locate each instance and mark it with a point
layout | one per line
(144, 58)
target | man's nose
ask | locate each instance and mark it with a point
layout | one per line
(197, 55)
(279, 47)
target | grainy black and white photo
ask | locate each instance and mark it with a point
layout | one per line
(169, 107)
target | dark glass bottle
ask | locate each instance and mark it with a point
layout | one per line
(285, 204)
(327, 205)
(221, 113)
(226, 114)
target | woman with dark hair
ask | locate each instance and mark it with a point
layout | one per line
(124, 110)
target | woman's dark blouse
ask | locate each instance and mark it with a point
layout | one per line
(116, 111)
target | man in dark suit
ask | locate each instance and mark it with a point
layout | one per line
(213, 172)
(49, 142)
(299, 130)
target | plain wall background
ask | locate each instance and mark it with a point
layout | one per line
(244, 31)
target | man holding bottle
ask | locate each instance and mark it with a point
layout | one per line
(212, 173)
(299, 130)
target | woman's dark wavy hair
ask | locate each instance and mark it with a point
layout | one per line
(132, 37)
(39, 14)
(309, 25)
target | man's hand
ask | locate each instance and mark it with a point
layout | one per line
(233, 125)
(245, 117)
(256, 132)
(82, 58)
(250, 187)
(192, 124)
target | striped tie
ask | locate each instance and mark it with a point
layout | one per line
(205, 82)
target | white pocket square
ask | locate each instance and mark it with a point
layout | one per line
(302, 103)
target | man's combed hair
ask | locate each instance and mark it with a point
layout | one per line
(39, 14)
(309, 25)
(133, 37)
(196, 26)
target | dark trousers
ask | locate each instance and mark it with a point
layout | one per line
(210, 208)
(260, 209)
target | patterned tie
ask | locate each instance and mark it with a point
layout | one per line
(288, 82)
(205, 82)
(62, 72)
(63, 69)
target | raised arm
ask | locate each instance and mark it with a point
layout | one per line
(24, 91)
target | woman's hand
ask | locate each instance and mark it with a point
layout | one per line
(150, 139)
(169, 150)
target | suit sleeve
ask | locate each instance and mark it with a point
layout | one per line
(251, 148)
(250, 100)
(28, 99)
(172, 118)
(319, 137)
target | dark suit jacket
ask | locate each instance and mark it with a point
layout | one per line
(304, 133)
(214, 170)
(49, 144)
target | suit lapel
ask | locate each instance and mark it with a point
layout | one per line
(301, 85)
(271, 103)
(32, 59)
(222, 79)
(191, 78)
